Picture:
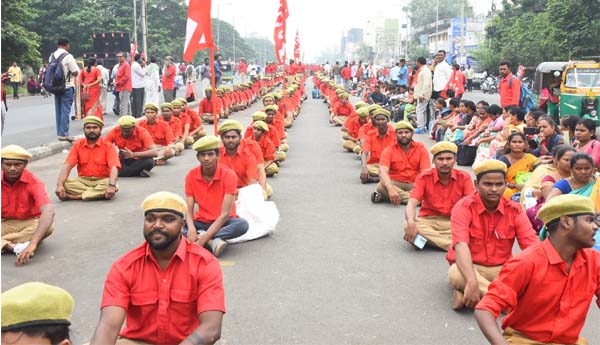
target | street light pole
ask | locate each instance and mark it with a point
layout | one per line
(144, 30)
(134, 22)
(233, 34)
(218, 26)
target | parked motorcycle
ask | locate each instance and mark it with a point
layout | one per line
(490, 85)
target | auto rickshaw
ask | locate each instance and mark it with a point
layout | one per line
(569, 88)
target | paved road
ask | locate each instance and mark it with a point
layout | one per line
(336, 271)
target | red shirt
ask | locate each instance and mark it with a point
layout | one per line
(184, 118)
(242, 162)
(243, 67)
(510, 92)
(175, 124)
(206, 106)
(24, 198)
(249, 146)
(160, 131)
(374, 143)
(209, 194)
(163, 306)
(93, 161)
(123, 78)
(405, 166)
(489, 235)
(353, 126)
(346, 73)
(544, 301)
(195, 120)
(437, 199)
(168, 82)
(266, 147)
(342, 109)
(140, 140)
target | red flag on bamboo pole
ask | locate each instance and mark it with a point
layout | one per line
(198, 33)
(280, 31)
(297, 47)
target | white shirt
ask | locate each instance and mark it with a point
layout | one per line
(394, 72)
(138, 76)
(353, 70)
(68, 64)
(105, 76)
(441, 75)
(327, 68)
(153, 79)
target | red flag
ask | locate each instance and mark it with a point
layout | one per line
(198, 32)
(279, 34)
(297, 48)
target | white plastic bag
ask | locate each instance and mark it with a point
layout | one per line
(262, 216)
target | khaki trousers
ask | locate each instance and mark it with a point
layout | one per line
(346, 136)
(516, 338)
(339, 120)
(436, 229)
(90, 188)
(287, 123)
(272, 169)
(349, 145)
(20, 230)
(402, 188)
(280, 156)
(191, 140)
(269, 192)
(373, 169)
(284, 147)
(484, 275)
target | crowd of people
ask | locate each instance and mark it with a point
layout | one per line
(535, 183)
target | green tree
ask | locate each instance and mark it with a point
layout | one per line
(365, 52)
(18, 42)
(421, 13)
(264, 48)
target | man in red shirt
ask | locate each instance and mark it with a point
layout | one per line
(123, 85)
(168, 290)
(136, 148)
(213, 187)
(27, 214)
(437, 190)
(353, 125)
(510, 86)
(166, 110)
(233, 157)
(341, 110)
(243, 67)
(375, 141)
(547, 289)
(205, 109)
(168, 79)
(97, 166)
(399, 166)
(484, 226)
(161, 133)
(196, 129)
(278, 122)
(259, 135)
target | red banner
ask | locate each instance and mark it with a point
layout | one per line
(297, 48)
(279, 34)
(198, 33)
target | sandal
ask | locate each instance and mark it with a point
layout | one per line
(376, 197)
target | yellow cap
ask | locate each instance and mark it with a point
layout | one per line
(15, 152)
(182, 100)
(166, 105)
(362, 112)
(272, 107)
(176, 103)
(565, 205)
(259, 115)
(230, 125)
(359, 105)
(93, 119)
(489, 165)
(401, 124)
(261, 125)
(267, 96)
(165, 202)
(381, 111)
(344, 95)
(373, 107)
(207, 143)
(126, 121)
(151, 106)
(35, 304)
(444, 146)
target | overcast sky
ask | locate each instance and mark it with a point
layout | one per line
(320, 22)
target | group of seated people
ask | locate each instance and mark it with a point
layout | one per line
(478, 222)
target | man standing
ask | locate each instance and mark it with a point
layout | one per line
(212, 186)
(484, 226)
(123, 84)
(441, 74)
(103, 84)
(399, 166)
(403, 78)
(337, 72)
(204, 74)
(63, 102)
(176, 284)
(218, 70)
(437, 190)
(243, 68)
(138, 82)
(423, 92)
(27, 214)
(470, 75)
(97, 166)
(168, 79)
(395, 74)
(16, 77)
(510, 86)
(136, 147)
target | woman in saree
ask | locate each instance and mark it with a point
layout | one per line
(548, 138)
(519, 163)
(466, 109)
(585, 135)
(91, 77)
(496, 125)
(513, 122)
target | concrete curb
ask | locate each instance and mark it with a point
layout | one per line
(50, 149)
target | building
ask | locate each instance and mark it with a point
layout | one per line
(385, 35)
(350, 43)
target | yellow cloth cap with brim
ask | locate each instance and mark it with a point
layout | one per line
(151, 106)
(259, 116)
(359, 105)
(489, 165)
(15, 152)
(267, 96)
(272, 107)
(176, 103)
(362, 112)
(35, 304)
(382, 111)
(344, 95)
(166, 105)
(373, 107)
(402, 125)
(230, 125)
(565, 205)
(444, 146)
(261, 125)
(93, 119)
(165, 202)
(207, 143)
(182, 100)
(126, 121)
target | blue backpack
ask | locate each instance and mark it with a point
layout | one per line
(54, 79)
(526, 100)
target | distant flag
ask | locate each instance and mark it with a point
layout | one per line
(198, 32)
(133, 49)
(297, 47)
(280, 31)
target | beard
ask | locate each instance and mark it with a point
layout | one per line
(169, 239)
(91, 136)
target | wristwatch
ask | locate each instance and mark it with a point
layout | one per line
(112, 184)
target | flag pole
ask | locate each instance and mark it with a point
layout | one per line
(214, 90)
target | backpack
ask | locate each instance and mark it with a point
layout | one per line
(526, 99)
(54, 79)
